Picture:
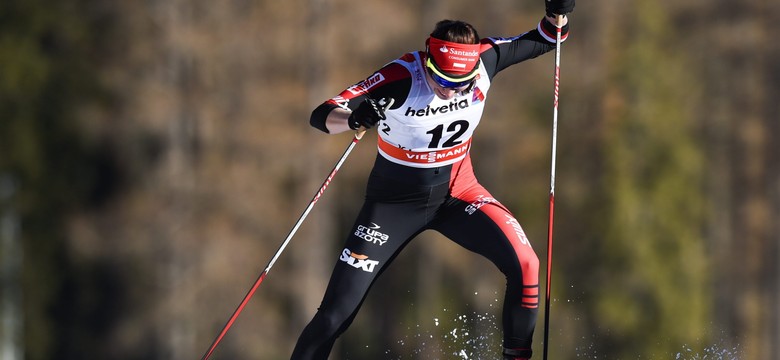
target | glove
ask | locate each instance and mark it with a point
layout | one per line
(558, 7)
(368, 113)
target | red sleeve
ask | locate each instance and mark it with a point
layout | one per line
(383, 83)
(391, 81)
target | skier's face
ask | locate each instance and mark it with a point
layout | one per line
(444, 92)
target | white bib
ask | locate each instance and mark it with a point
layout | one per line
(426, 131)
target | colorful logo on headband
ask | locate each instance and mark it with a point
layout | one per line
(455, 60)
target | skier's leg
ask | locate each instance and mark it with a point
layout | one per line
(379, 233)
(481, 224)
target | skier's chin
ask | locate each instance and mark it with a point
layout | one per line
(444, 96)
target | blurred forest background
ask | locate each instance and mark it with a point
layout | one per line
(154, 154)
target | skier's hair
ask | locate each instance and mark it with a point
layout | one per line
(456, 31)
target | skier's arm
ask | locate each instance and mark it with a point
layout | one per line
(333, 116)
(336, 120)
(366, 116)
(505, 52)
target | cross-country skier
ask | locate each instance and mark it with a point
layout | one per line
(423, 178)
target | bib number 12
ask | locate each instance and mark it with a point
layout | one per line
(456, 128)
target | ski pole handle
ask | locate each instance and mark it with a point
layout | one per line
(360, 132)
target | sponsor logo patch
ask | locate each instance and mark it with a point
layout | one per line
(434, 156)
(341, 102)
(518, 230)
(481, 201)
(367, 84)
(371, 234)
(477, 96)
(358, 261)
(454, 105)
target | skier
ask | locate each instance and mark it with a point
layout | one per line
(426, 106)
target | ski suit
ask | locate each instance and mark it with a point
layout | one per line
(423, 179)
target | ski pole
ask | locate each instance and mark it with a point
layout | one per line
(559, 22)
(358, 135)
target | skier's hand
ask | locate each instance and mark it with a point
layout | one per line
(558, 7)
(368, 113)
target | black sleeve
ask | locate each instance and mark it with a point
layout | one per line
(509, 51)
(320, 114)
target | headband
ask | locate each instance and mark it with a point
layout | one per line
(452, 61)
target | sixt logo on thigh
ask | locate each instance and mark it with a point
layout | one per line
(358, 261)
(371, 234)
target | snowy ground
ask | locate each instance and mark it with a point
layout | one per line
(477, 336)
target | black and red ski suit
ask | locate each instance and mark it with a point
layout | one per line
(423, 179)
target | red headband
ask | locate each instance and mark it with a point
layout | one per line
(455, 59)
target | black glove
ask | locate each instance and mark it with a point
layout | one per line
(368, 113)
(558, 7)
